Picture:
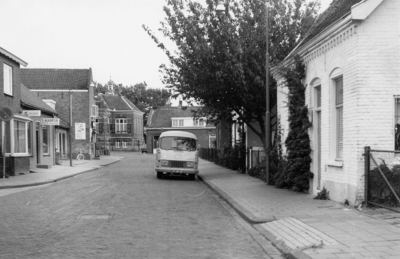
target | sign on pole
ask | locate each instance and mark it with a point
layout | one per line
(50, 121)
(6, 113)
(32, 113)
(80, 130)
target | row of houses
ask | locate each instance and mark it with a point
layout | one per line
(52, 114)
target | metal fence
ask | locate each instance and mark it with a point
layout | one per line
(210, 154)
(253, 156)
(382, 178)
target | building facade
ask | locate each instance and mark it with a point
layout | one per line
(73, 94)
(179, 118)
(16, 129)
(352, 59)
(120, 123)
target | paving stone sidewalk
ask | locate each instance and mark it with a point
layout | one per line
(303, 227)
(39, 176)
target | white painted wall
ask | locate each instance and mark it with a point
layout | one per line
(369, 56)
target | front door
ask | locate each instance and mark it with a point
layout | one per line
(317, 136)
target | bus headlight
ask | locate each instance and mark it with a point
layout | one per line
(190, 164)
(164, 162)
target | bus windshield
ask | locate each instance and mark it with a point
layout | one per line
(178, 143)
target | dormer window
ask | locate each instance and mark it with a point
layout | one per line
(177, 123)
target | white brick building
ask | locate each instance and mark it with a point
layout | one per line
(352, 58)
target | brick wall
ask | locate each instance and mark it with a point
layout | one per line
(13, 101)
(80, 114)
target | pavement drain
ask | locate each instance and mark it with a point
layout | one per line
(101, 216)
(296, 234)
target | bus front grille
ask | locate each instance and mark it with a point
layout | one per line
(179, 164)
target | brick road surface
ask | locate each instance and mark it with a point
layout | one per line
(123, 211)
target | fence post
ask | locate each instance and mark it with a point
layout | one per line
(367, 153)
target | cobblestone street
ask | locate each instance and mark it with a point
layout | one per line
(123, 211)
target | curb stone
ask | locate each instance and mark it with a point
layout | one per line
(56, 180)
(251, 219)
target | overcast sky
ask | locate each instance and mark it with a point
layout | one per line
(106, 35)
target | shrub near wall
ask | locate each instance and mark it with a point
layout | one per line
(296, 174)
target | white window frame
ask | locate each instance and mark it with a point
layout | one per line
(12, 136)
(7, 79)
(117, 144)
(124, 144)
(121, 125)
(178, 123)
(339, 120)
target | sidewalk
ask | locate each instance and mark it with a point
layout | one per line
(39, 176)
(303, 227)
(294, 222)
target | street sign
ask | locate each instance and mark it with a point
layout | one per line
(50, 121)
(32, 113)
(6, 113)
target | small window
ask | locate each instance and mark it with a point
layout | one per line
(117, 144)
(124, 144)
(8, 79)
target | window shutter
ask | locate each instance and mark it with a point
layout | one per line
(129, 128)
(101, 127)
(112, 128)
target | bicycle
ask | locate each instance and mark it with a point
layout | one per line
(80, 156)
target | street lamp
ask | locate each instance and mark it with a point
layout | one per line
(221, 8)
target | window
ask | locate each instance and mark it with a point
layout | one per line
(339, 117)
(199, 122)
(117, 144)
(124, 144)
(8, 79)
(177, 123)
(18, 139)
(120, 125)
(178, 143)
(45, 131)
(212, 141)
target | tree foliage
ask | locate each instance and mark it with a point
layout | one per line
(220, 60)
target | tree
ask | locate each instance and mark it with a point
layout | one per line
(220, 60)
(146, 98)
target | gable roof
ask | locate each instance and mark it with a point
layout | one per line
(31, 100)
(56, 79)
(335, 12)
(13, 57)
(119, 102)
(161, 117)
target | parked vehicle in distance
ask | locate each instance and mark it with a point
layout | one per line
(177, 154)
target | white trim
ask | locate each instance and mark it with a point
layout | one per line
(54, 90)
(335, 163)
(13, 57)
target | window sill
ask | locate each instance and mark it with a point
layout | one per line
(335, 163)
